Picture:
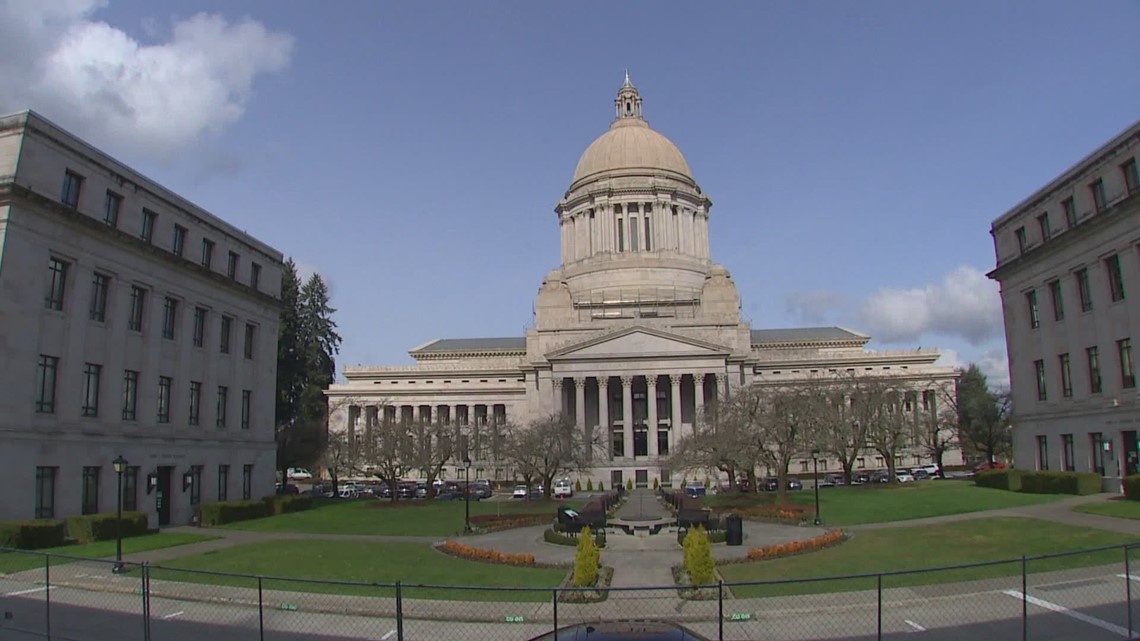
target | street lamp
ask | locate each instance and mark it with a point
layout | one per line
(120, 465)
(815, 468)
(467, 494)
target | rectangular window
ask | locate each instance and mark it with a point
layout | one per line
(45, 492)
(232, 266)
(1043, 225)
(90, 490)
(620, 235)
(1131, 178)
(131, 488)
(223, 397)
(1042, 452)
(164, 385)
(1066, 376)
(100, 283)
(178, 244)
(1022, 241)
(254, 275)
(224, 339)
(91, 374)
(1058, 300)
(57, 282)
(138, 302)
(199, 326)
(207, 253)
(130, 394)
(45, 384)
(111, 206)
(223, 482)
(169, 316)
(1084, 290)
(1097, 190)
(1096, 444)
(250, 333)
(1070, 207)
(1095, 385)
(1039, 369)
(1068, 460)
(1115, 278)
(72, 183)
(149, 220)
(195, 401)
(1127, 373)
(195, 484)
(633, 233)
(648, 236)
(246, 481)
(1034, 312)
(246, 401)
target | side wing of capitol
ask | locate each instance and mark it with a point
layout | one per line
(634, 333)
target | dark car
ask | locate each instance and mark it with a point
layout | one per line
(288, 488)
(770, 484)
(881, 477)
(920, 474)
(861, 478)
(623, 631)
(448, 495)
(795, 484)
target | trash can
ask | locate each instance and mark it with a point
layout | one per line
(733, 530)
(681, 532)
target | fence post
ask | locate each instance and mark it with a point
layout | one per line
(1128, 589)
(144, 590)
(399, 612)
(260, 610)
(1024, 601)
(879, 588)
(720, 609)
(47, 596)
(555, 594)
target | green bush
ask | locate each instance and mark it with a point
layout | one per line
(586, 560)
(629, 484)
(999, 479)
(32, 534)
(286, 503)
(698, 557)
(558, 538)
(601, 486)
(104, 526)
(656, 484)
(212, 514)
(1081, 483)
(1132, 487)
(589, 485)
(578, 485)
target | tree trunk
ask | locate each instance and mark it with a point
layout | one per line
(846, 470)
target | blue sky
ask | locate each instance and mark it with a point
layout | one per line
(412, 153)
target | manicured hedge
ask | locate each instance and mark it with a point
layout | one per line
(1060, 483)
(212, 514)
(103, 527)
(31, 534)
(285, 503)
(999, 479)
(1132, 487)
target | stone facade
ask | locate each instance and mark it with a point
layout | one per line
(113, 335)
(1068, 260)
(634, 333)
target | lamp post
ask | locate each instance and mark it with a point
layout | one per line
(120, 465)
(815, 473)
(467, 494)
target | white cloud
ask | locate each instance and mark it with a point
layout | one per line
(816, 307)
(156, 98)
(995, 366)
(965, 304)
(949, 358)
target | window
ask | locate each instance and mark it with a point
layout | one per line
(57, 273)
(149, 218)
(223, 482)
(254, 275)
(164, 385)
(1034, 315)
(632, 233)
(1093, 355)
(90, 490)
(224, 342)
(1097, 189)
(169, 315)
(246, 481)
(1115, 278)
(250, 332)
(1070, 207)
(1043, 225)
(207, 253)
(1058, 301)
(232, 266)
(1083, 290)
(1039, 368)
(138, 301)
(1127, 374)
(1066, 376)
(246, 401)
(223, 396)
(178, 244)
(131, 488)
(199, 326)
(1096, 444)
(195, 484)
(1131, 179)
(195, 401)
(130, 394)
(72, 183)
(91, 374)
(1022, 242)
(1042, 452)
(45, 492)
(620, 233)
(45, 384)
(111, 206)
(99, 285)
(1068, 460)
(648, 245)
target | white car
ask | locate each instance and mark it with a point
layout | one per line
(519, 493)
(563, 489)
(298, 474)
(902, 476)
(932, 470)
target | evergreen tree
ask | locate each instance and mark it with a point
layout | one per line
(983, 416)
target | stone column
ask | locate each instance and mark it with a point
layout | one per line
(722, 387)
(651, 396)
(580, 404)
(627, 414)
(556, 386)
(420, 416)
(604, 410)
(698, 399)
(675, 398)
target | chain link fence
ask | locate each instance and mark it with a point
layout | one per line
(1086, 594)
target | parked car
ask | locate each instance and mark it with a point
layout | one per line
(695, 488)
(563, 489)
(298, 474)
(770, 484)
(860, 479)
(287, 488)
(795, 484)
(348, 492)
(480, 491)
(903, 476)
(322, 491)
(448, 495)
(831, 480)
(519, 492)
(933, 470)
(920, 474)
(881, 476)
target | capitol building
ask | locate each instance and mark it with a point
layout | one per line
(634, 332)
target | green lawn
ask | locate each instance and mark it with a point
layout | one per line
(19, 561)
(1120, 508)
(884, 503)
(361, 561)
(909, 548)
(404, 518)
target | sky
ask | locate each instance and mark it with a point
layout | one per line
(412, 153)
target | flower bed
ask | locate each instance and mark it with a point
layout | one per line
(778, 550)
(495, 522)
(473, 553)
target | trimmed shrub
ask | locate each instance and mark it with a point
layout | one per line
(589, 485)
(212, 514)
(286, 503)
(578, 485)
(104, 526)
(601, 486)
(698, 557)
(586, 560)
(656, 484)
(31, 534)
(1060, 483)
(1132, 487)
(999, 479)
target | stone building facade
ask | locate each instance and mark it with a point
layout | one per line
(1068, 261)
(634, 333)
(133, 324)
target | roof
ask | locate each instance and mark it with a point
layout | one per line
(513, 343)
(806, 334)
(630, 144)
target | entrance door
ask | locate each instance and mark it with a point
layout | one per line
(162, 495)
(641, 478)
(1131, 453)
(616, 482)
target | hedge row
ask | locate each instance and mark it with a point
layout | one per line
(31, 534)
(212, 514)
(1080, 483)
(286, 503)
(104, 526)
(1132, 487)
(999, 479)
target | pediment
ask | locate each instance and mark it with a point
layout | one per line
(638, 342)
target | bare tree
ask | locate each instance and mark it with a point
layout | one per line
(339, 457)
(892, 425)
(845, 413)
(787, 427)
(546, 448)
(720, 440)
(432, 447)
(388, 451)
(938, 421)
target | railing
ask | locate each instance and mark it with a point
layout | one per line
(1085, 594)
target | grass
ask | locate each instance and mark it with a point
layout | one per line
(20, 561)
(364, 562)
(885, 503)
(1120, 508)
(911, 548)
(404, 518)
